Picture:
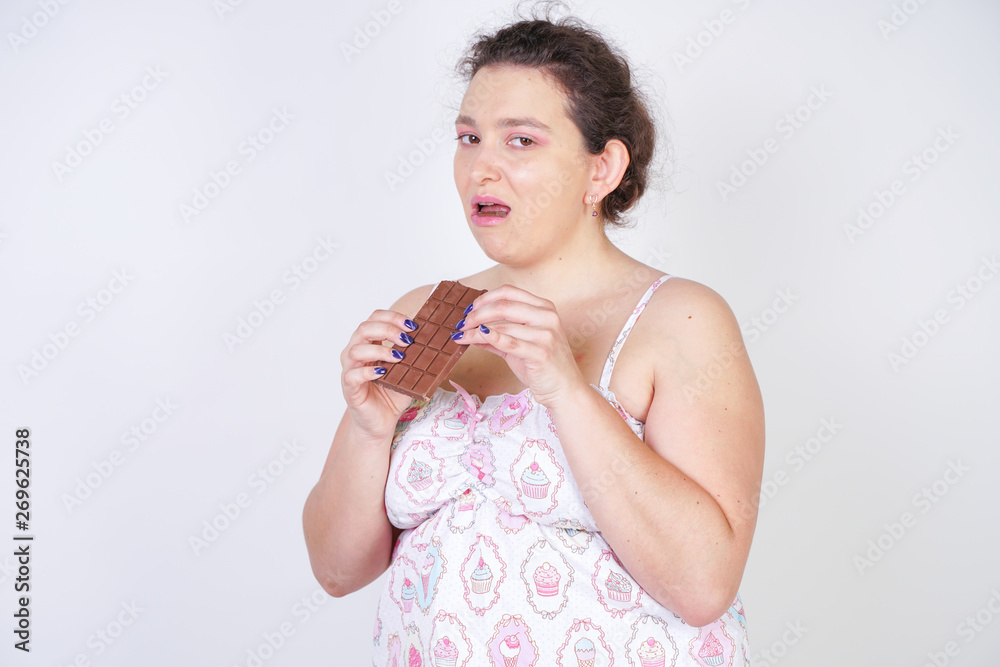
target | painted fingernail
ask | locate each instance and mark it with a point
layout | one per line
(410, 324)
(380, 370)
(468, 309)
(406, 338)
(457, 335)
(398, 354)
(485, 329)
(461, 323)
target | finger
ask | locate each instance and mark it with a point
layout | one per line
(508, 310)
(514, 294)
(384, 326)
(522, 341)
(366, 353)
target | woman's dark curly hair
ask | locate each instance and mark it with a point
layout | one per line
(597, 80)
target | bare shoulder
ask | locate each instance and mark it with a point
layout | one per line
(692, 332)
(680, 301)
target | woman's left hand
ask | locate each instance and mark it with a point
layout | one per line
(526, 332)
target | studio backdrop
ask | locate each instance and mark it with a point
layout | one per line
(202, 199)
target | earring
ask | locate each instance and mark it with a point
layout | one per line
(593, 203)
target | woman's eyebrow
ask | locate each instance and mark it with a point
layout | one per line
(507, 122)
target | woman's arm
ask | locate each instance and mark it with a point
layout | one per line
(348, 535)
(679, 509)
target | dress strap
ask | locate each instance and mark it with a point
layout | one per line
(609, 365)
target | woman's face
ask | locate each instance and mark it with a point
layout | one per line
(519, 149)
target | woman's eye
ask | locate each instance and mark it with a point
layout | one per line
(524, 142)
(467, 138)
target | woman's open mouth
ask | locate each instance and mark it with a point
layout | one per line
(487, 211)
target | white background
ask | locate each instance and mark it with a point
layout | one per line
(358, 116)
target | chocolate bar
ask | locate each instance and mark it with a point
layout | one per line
(432, 354)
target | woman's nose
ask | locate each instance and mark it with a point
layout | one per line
(483, 166)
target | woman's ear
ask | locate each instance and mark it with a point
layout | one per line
(608, 167)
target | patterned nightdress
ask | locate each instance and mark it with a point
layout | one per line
(501, 564)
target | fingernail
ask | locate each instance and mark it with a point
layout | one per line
(485, 329)
(406, 338)
(410, 324)
(380, 370)
(461, 323)
(457, 335)
(468, 309)
(398, 354)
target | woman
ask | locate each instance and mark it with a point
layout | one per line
(563, 504)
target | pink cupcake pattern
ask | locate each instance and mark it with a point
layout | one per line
(450, 643)
(713, 647)
(510, 413)
(651, 643)
(548, 579)
(511, 644)
(616, 591)
(537, 476)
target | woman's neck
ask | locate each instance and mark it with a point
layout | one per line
(581, 271)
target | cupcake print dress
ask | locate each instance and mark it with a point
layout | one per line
(500, 563)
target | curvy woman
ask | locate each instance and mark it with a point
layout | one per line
(583, 487)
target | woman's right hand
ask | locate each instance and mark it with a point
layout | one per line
(374, 409)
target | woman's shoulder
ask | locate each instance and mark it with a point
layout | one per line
(695, 319)
(683, 299)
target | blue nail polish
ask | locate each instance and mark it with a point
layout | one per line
(379, 370)
(468, 309)
(406, 338)
(461, 323)
(485, 329)
(457, 335)
(398, 354)
(410, 324)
